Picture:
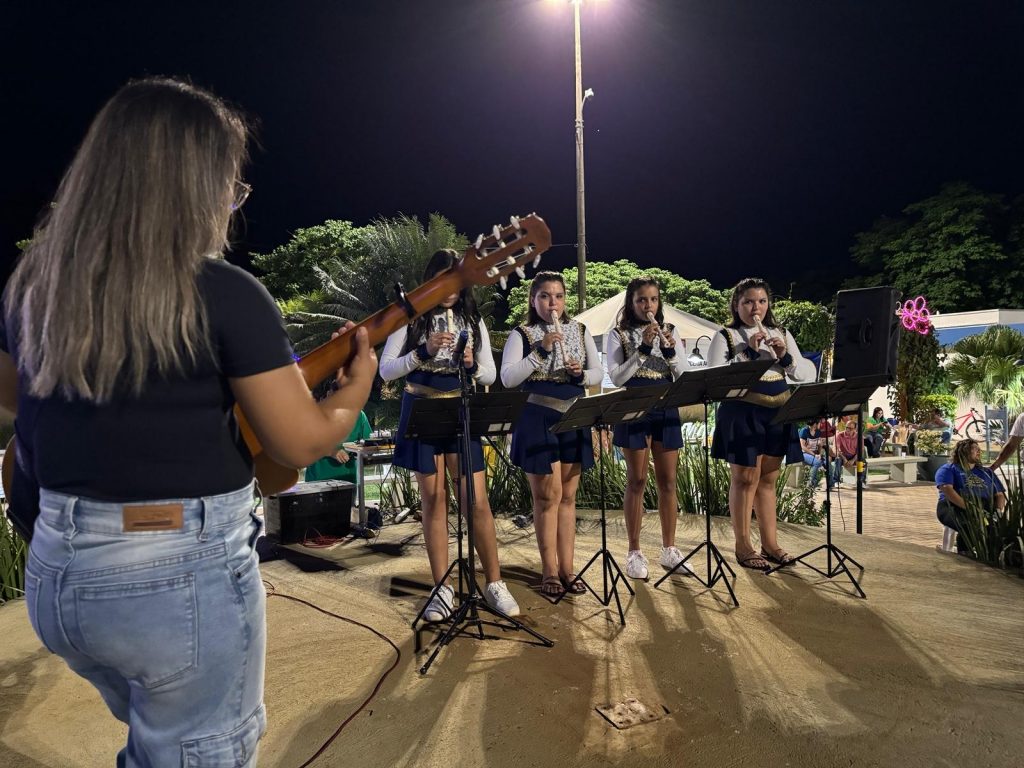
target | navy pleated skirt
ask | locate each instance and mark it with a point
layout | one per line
(418, 455)
(661, 426)
(535, 447)
(743, 431)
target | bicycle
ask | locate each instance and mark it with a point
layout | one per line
(973, 425)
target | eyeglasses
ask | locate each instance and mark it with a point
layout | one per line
(242, 192)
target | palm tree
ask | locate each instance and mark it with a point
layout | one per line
(390, 251)
(989, 366)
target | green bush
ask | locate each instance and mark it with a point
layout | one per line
(928, 442)
(925, 404)
(13, 553)
(997, 538)
(796, 505)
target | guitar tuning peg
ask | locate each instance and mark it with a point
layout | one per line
(503, 282)
(478, 242)
(496, 232)
(514, 221)
(536, 262)
(492, 272)
(521, 272)
(510, 261)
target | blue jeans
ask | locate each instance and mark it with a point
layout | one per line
(837, 465)
(168, 625)
(815, 464)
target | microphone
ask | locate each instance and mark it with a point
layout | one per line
(460, 347)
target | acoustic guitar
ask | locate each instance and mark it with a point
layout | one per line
(490, 259)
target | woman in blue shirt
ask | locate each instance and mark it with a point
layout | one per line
(965, 478)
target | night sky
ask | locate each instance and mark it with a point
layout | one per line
(726, 137)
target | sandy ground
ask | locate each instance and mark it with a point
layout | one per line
(927, 671)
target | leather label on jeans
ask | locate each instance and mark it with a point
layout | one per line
(153, 517)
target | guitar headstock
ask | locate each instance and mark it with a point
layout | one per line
(505, 250)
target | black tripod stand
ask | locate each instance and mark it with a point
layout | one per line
(599, 413)
(814, 402)
(471, 415)
(707, 385)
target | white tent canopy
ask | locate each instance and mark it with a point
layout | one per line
(601, 319)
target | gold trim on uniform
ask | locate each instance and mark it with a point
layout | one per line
(768, 401)
(647, 373)
(554, 403)
(431, 393)
(432, 365)
(560, 377)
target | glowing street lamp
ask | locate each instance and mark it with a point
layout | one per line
(581, 214)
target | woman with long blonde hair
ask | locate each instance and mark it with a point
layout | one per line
(126, 343)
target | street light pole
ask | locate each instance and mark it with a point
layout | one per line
(581, 221)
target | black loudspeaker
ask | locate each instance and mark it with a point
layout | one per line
(867, 334)
(310, 509)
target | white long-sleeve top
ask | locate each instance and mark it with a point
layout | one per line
(799, 371)
(623, 367)
(394, 365)
(519, 364)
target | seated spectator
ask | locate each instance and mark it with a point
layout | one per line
(936, 420)
(963, 479)
(876, 432)
(339, 466)
(848, 452)
(812, 443)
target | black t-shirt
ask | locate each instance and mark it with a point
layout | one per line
(179, 438)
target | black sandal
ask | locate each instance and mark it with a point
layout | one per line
(572, 585)
(749, 561)
(782, 558)
(551, 586)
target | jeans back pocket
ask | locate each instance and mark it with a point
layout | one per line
(146, 630)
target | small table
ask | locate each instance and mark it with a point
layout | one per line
(365, 456)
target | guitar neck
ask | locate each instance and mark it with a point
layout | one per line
(325, 360)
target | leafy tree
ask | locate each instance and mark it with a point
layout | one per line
(812, 325)
(961, 248)
(362, 281)
(918, 372)
(988, 365)
(925, 404)
(605, 280)
(288, 270)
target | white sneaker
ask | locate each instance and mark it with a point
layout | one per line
(497, 596)
(636, 564)
(671, 557)
(440, 605)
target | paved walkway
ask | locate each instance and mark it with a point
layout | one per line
(890, 510)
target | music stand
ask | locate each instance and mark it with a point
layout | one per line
(468, 416)
(813, 402)
(599, 412)
(707, 385)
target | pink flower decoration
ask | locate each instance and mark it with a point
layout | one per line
(915, 316)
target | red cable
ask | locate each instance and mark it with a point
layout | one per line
(272, 592)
